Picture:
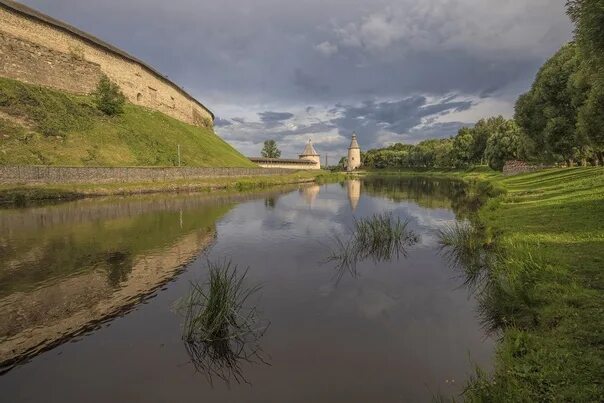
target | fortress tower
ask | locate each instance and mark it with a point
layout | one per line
(354, 154)
(310, 154)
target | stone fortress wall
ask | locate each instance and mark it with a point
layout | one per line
(54, 175)
(38, 49)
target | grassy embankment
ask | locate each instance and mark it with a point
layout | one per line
(40, 126)
(551, 231)
(548, 292)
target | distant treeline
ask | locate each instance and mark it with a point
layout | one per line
(559, 120)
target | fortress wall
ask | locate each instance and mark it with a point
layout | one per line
(50, 174)
(35, 64)
(277, 165)
(66, 61)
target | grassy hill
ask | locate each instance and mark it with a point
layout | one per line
(40, 126)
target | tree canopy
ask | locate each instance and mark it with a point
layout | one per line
(270, 149)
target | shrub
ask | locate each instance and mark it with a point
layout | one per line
(108, 97)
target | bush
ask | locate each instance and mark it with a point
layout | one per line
(108, 97)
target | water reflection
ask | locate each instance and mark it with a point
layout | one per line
(404, 328)
(353, 188)
(67, 267)
(504, 287)
(381, 237)
(310, 193)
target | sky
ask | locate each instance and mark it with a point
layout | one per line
(390, 70)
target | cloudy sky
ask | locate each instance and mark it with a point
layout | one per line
(391, 70)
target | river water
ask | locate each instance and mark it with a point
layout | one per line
(88, 295)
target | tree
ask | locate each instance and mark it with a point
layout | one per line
(503, 145)
(481, 132)
(588, 16)
(547, 113)
(270, 149)
(108, 97)
(462, 148)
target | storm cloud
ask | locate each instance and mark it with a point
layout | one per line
(392, 70)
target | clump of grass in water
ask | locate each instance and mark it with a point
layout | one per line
(379, 237)
(466, 249)
(382, 236)
(220, 331)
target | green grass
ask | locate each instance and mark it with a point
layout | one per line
(40, 126)
(543, 292)
(221, 328)
(551, 226)
(380, 237)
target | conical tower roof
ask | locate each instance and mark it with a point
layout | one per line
(353, 143)
(309, 150)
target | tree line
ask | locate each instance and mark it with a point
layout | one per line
(559, 120)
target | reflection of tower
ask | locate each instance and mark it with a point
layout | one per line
(354, 192)
(354, 154)
(310, 193)
(310, 154)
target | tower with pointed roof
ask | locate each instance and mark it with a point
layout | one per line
(354, 154)
(310, 154)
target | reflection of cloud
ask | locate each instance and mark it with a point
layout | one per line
(369, 298)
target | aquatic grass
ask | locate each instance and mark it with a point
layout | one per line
(380, 237)
(466, 248)
(220, 329)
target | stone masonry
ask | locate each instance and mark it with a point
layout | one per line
(38, 49)
(53, 175)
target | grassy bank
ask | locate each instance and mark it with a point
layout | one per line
(546, 296)
(550, 227)
(18, 195)
(40, 126)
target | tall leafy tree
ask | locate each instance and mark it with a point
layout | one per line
(270, 149)
(588, 16)
(462, 148)
(548, 112)
(503, 145)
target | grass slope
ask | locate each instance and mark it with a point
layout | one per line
(549, 227)
(47, 127)
(557, 218)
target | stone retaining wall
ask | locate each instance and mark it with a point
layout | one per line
(55, 175)
(519, 167)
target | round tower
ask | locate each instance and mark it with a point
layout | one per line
(310, 154)
(354, 154)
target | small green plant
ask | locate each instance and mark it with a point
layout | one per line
(108, 97)
(220, 330)
(379, 237)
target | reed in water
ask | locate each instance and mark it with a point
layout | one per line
(221, 328)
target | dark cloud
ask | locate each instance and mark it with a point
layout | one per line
(437, 131)
(309, 84)
(397, 117)
(269, 117)
(218, 122)
(320, 59)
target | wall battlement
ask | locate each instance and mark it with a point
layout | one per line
(37, 49)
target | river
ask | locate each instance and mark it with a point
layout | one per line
(89, 292)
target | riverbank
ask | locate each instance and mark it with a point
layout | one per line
(548, 292)
(22, 194)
